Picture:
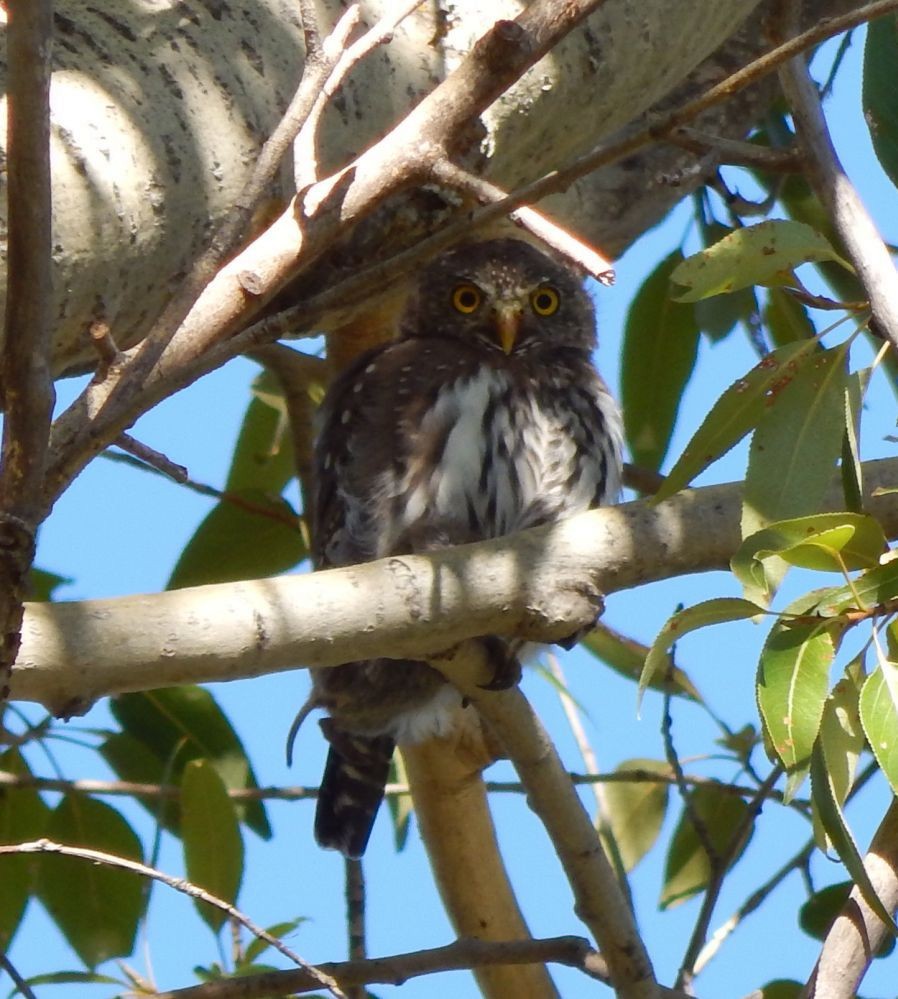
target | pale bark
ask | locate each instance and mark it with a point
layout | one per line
(160, 110)
(541, 584)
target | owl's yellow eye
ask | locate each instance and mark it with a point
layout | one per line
(467, 298)
(545, 300)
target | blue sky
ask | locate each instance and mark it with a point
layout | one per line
(119, 531)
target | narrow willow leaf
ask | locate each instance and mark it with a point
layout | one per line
(258, 945)
(852, 470)
(797, 442)
(786, 319)
(687, 869)
(766, 253)
(626, 656)
(841, 738)
(401, 806)
(659, 351)
(180, 724)
(812, 542)
(840, 836)
(716, 611)
(734, 414)
(23, 817)
(249, 535)
(879, 89)
(213, 848)
(793, 680)
(879, 716)
(96, 907)
(636, 810)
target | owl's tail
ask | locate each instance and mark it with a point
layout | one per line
(352, 789)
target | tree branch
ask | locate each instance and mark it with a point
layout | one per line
(855, 936)
(540, 585)
(852, 221)
(27, 386)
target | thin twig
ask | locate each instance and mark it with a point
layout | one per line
(21, 985)
(575, 952)
(551, 233)
(306, 142)
(852, 221)
(736, 152)
(178, 884)
(687, 971)
(155, 459)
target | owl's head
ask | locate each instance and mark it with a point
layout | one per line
(504, 294)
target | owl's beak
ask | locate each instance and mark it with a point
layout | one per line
(508, 323)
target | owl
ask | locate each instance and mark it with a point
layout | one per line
(484, 417)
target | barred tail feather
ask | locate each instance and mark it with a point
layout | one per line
(352, 789)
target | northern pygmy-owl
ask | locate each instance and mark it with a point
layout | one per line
(484, 417)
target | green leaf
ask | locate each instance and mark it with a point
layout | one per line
(687, 869)
(798, 440)
(879, 89)
(249, 535)
(786, 318)
(636, 810)
(879, 716)
(263, 455)
(735, 413)
(766, 253)
(401, 806)
(96, 907)
(876, 586)
(793, 679)
(180, 724)
(708, 612)
(257, 946)
(213, 849)
(134, 761)
(659, 351)
(71, 978)
(23, 817)
(626, 657)
(780, 988)
(42, 585)
(816, 542)
(833, 820)
(841, 738)
(852, 470)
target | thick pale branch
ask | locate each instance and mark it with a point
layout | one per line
(857, 933)
(541, 584)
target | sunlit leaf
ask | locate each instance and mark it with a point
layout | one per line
(96, 907)
(838, 833)
(213, 848)
(626, 657)
(735, 413)
(23, 817)
(180, 724)
(876, 586)
(793, 681)
(249, 535)
(797, 442)
(824, 541)
(879, 716)
(879, 89)
(659, 351)
(852, 469)
(636, 810)
(717, 611)
(766, 253)
(687, 868)
(257, 946)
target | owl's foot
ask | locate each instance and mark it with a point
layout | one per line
(506, 666)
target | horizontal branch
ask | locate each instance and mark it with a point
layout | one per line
(541, 585)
